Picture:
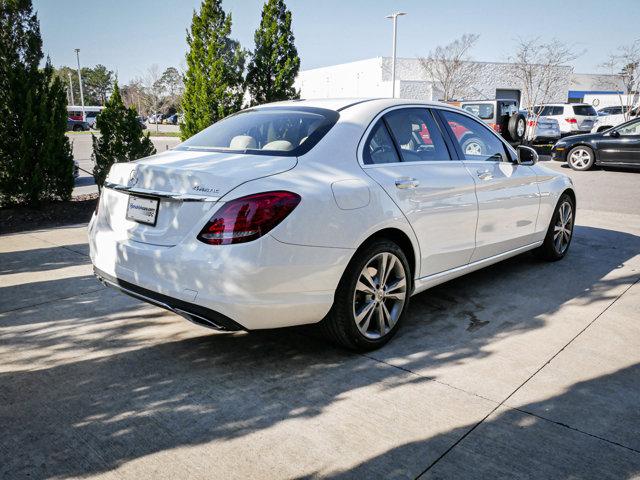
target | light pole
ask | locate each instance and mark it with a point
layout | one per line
(84, 118)
(394, 16)
(73, 100)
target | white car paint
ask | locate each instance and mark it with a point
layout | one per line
(461, 216)
(569, 120)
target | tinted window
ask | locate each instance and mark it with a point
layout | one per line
(548, 110)
(379, 147)
(586, 110)
(417, 134)
(287, 131)
(475, 139)
(480, 110)
(632, 129)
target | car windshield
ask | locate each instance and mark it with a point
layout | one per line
(289, 131)
(481, 110)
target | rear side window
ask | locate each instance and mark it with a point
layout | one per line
(287, 131)
(379, 147)
(417, 135)
(480, 110)
(549, 110)
(585, 110)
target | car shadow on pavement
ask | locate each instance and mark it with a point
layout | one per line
(599, 442)
(78, 416)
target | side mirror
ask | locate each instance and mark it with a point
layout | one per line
(527, 155)
(614, 133)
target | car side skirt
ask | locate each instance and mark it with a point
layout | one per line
(424, 283)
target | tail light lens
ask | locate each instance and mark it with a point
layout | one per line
(496, 127)
(247, 218)
(571, 120)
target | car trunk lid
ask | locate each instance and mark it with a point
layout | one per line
(186, 185)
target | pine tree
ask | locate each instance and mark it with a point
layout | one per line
(274, 63)
(36, 162)
(215, 64)
(121, 138)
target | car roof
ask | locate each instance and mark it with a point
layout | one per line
(339, 104)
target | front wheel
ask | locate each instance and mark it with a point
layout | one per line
(371, 299)
(560, 231)
(581, 158)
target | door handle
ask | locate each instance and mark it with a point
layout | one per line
(407, 182)
(484, 174)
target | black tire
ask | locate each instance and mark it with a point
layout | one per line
(339, 326)
(77, 128)
(549, 249)
(476, 146)
(581, 158)
(517, 127)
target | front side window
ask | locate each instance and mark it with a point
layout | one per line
(289, 131)
(417, 135)
(476, 141)
(480, 110)
(379, 147)
(630, 130)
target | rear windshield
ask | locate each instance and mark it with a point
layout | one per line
(586, 110)
(482, 110)
(288, 131)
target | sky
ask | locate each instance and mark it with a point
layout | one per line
(129, 36)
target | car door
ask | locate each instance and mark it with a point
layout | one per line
(508, 194)
(406, 153)
(621, 145)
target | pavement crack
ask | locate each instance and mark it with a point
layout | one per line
(503, 402)
(574, 429)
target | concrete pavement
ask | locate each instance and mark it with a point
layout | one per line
(522, 370)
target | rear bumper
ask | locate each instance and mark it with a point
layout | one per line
(256, 285)
(192, 312)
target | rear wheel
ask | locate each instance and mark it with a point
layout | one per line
(581, 158)
(560, 231)
(77, 128)
(371, 299)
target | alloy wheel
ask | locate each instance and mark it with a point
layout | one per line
(580, 158)
(520, 128)
(473, 148)
(380, 295)
(563, 228)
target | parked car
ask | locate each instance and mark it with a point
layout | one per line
(618, 146)
(572, 118)
(501, 115)
(77, 125)
(171, 119)
(545, 129)
(609, 121)
(156, 118)
(141, 121)
(615, 110)
(92, 118)
(330, 211)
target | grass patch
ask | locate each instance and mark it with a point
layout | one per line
(163, 134)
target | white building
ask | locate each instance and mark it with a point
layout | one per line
(372, 78)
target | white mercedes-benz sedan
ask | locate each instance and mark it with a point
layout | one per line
(324, 211)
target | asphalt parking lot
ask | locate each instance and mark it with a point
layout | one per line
(522, 370)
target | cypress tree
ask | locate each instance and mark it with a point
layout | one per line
(274, 63)
(215, 64)
(36, 162)
(121, 138)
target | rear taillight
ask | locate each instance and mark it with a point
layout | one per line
(247, 218)
(571, 120)
(496, 127)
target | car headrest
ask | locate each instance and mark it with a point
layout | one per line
(242, 142)
(278, 145)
